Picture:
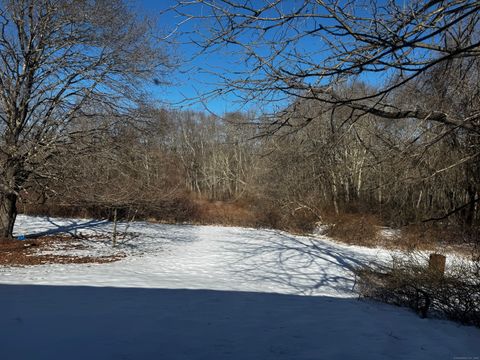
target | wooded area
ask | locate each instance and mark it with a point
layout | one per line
(180, 164)
(80, 138)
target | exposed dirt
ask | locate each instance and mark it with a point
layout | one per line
(28, 252)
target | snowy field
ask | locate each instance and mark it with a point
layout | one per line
(207, 292)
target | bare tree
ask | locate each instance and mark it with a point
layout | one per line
(216, 153)
(308, 48)
(419, 57)
(127, 173)
(62, 62)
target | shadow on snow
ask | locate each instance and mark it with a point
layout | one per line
(71, 228)
(64, 322)
(301, 264)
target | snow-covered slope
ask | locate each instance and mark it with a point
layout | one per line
(206, 292)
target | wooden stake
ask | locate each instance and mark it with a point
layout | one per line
(114, 235)
(436, 264)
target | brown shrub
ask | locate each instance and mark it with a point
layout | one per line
(353, 228)
(300, 220)
(409, 283)
(431, 236)
(223, 213)
(267, 216)
(177, 209)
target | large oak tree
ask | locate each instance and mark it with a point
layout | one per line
(64, 64)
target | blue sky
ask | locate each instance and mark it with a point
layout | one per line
(188, 81)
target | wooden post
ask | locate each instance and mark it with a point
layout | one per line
(114, 235)
(436, 264)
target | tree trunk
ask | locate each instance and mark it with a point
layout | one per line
(471, 209)
(8, 213)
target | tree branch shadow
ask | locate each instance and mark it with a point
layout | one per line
(302, 265)
(78, 322)
(71, 228)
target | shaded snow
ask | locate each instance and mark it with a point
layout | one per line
(207, 292)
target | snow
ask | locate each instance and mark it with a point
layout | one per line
(389, 233)
(208, 292)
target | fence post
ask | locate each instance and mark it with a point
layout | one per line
(436, 264)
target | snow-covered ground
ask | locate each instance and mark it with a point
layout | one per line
(207, 292)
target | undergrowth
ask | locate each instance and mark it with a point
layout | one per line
(410, 282)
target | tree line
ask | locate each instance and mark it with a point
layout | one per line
(375, 111)
(172, 163)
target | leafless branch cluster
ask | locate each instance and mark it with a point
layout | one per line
(309, 49)
(63, 65)
(377, 112)
(409, 282)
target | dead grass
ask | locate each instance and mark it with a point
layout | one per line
(224, 213)
(365, 230)
(352, 227)
(432, 237)
(25, 253)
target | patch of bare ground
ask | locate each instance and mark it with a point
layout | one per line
(29, 252)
